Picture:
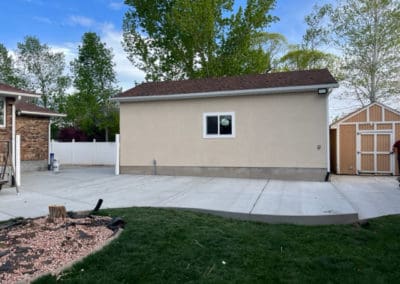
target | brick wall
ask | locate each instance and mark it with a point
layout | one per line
(34, 137)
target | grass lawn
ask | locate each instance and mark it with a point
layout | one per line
(169, 246)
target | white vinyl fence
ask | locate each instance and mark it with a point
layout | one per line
(84, 153)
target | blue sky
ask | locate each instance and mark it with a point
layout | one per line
(61, 24)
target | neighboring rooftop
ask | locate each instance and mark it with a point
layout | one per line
(237, 83)
(25, 108)
(9, 90)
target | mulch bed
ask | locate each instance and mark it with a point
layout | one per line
(31, 247)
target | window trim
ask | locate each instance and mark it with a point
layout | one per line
(3, 125)
(218, 114)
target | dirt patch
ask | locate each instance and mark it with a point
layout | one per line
(36, 246)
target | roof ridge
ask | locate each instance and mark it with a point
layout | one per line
(235, 76)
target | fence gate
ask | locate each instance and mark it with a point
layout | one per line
(374, 152)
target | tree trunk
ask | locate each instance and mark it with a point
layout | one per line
(106, 133)
(57, 211)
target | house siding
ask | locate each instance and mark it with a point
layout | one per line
(272, 131)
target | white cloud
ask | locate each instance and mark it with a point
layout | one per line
(69, 49)
(81, 21)
(116, 5)
(126, 73)
(36, 2)
(12, 54)
(43, 20)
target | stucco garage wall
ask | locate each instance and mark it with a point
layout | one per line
(275, 131)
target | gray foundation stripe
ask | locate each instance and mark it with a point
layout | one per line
(255, 203)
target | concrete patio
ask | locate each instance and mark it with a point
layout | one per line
(346, 199)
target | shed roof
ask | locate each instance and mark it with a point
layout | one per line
(319, 77)
(357, 111)
(29, 109)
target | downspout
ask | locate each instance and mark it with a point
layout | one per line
(328, 147)
(49, 144)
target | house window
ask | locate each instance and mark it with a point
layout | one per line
(219, 125)
(2, 112)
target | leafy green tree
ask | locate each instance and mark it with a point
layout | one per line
(43, 70)
(316, 35)
(177, 39)
(367, 34)
(94, 79)
(273, 44)
(298, 58)
(8, 72)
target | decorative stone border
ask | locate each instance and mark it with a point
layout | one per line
(72, 263)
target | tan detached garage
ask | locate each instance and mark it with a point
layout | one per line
(361, 142)
(253, 126)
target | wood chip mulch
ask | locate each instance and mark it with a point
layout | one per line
(36, 246)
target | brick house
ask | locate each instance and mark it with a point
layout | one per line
(33, 125)
(29, 121)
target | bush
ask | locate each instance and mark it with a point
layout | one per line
(69, 133)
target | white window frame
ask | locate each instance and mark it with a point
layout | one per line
(3, 125)
(218, 114)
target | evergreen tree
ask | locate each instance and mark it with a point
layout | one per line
(94, 79)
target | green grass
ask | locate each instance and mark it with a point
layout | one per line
(169, 246)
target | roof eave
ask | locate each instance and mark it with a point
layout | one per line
(230, 93)
(17, 94)
(45, 114)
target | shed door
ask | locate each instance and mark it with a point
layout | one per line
(374, 152)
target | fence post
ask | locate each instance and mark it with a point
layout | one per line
(73, 151)
(116, 154)
(94, 153)
(18, 160)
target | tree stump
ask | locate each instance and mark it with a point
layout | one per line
(57, 211)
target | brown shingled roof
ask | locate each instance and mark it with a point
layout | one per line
(244, 82)
(7, 88)
(29, 107)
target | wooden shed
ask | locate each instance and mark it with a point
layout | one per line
(361, 142)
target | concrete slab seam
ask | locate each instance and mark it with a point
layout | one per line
(355, 208)
(259, 196)
(180, 193)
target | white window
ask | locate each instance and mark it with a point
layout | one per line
(219, 125)
(2, 112)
